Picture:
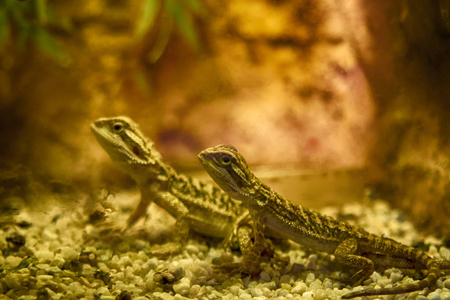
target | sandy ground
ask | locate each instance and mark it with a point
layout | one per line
(61, 252)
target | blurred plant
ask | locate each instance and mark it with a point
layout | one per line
(29, 20)
(180, 13)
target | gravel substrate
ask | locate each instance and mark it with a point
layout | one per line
(63, 252)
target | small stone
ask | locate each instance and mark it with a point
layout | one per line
(12, 281)
(299, 288)
(434, 296)
(182, 287)
(125, 261)
(48, 235)
(12, 261)
(162, 296)
(68, 253)
(76, 288)
(310, 278)
(193, 291)
(264, 277)
(297, 269)
(57, 261)
(234, 290)
(44, 255)
(179, 273)
(320, 294)
(285, 278)
(445, 253)
(282, 293)
(245, 296)
(44, 279)
(256, 292)
(192, 249)
(316, 284)
(447, 283)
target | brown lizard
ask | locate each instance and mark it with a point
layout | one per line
(196, 205)
(351, 245)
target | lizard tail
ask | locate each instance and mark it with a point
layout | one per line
(433, 274)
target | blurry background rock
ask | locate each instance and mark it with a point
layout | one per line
(304, 84)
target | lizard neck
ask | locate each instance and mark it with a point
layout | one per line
(147, 175)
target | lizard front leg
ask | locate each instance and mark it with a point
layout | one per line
(251, 249)
(176, 208)
(139, 211)
(345, 254)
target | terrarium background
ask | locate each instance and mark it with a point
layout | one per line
(292, 84)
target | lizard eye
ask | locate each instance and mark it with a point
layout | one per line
(225, 160)
(118, 127)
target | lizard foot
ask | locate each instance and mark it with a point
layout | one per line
(359, 277)
(165, 250)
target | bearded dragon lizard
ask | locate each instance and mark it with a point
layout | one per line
(195, 205)
(351, 246)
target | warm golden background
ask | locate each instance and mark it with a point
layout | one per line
(292, 84)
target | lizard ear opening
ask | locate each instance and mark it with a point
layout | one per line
(136, 150)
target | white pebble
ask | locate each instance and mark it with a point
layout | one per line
(282, 293)
(182, 287)
(310, 278)
(68, 253)
(316, 284)
(76, 288)
(445, 253)
(125, 261)
(44, 255)
(434, 296)
(192, 249)
(12, 281)
(57, 261)
(12, 261)
(256, 292)
(87, 270)
(320, 294)
(48, 235)
(299, 288)
(234, 290)
(102, 291)
(162, 296)
(193, 291)
(245, 296)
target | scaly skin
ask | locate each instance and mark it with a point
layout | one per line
(195, 204)
(352, 246)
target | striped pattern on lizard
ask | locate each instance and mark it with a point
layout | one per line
(196, 205)
(352, 246)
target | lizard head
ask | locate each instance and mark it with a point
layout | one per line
(124, 142)
(229, 170)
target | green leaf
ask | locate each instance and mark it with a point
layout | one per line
(162, 39)
(195, 6)
(150, 11)
(184, 23)
(49, 46)
(4, 28)
(41, 11)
